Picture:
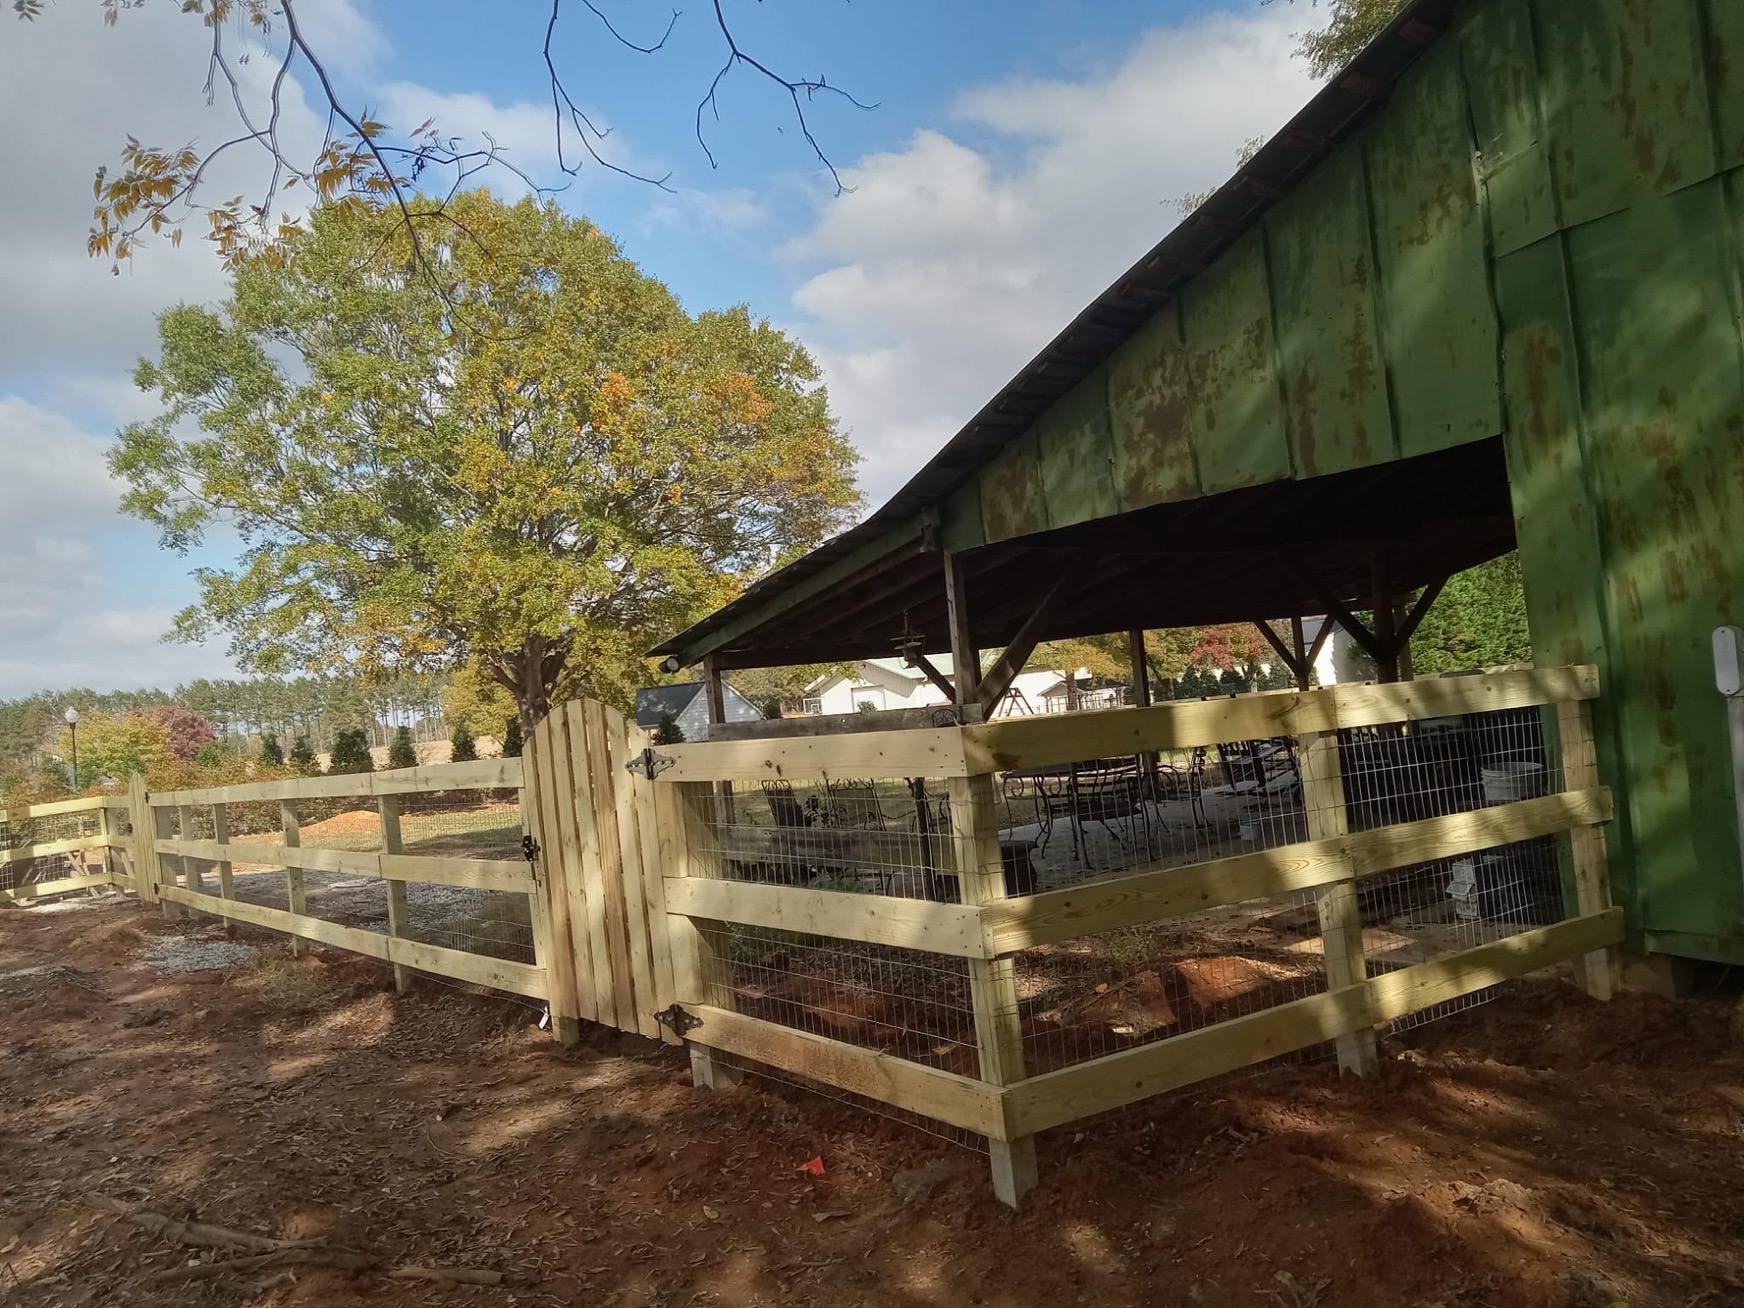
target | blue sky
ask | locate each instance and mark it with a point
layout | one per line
(1021, 155)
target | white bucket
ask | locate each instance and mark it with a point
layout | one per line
(1508, 782)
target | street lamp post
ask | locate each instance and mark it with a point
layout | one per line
(72, 716)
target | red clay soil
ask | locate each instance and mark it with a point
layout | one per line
(1542, 1151)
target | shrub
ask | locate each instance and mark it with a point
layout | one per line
(402, 753)
(465, 748)
(209, 755)
(303, 755)
(668, 732)
(512, 742)
(350, 753)
(272, 754)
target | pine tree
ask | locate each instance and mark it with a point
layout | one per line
(350, 753)
(272, 754)
(303, 755)
(465, 750)
(402, 753)
(512, 738)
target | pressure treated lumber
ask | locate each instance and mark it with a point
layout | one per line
(928, 1091)
(873, 919)
(473, 873)
(482, 774)
(1591, 868)
(499, 974)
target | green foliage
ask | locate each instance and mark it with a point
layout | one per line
(473, 698)
(303, 755)
(116, 746)
(465, 749)
(209, 755)
(512, 741)
(1353, 24)
(350, 754)
(545, 467)
(667, 731)
(1478, 620)
(402, 753)
(272, 754)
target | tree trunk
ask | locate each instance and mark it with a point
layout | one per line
(530, 674)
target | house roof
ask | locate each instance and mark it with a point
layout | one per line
(653, 701)
(905, 521)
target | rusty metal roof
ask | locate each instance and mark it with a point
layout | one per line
(1282, 164)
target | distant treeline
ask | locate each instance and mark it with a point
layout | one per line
(316, 708)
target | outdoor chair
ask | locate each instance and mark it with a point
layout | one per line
(784, 807)
(853, 803)
(1107, 792)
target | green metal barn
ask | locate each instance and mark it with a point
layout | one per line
(1484, 291)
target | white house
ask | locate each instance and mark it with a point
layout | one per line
(892, 684)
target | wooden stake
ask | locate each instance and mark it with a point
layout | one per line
(1592, 874)
(296, 896)
(1340, 913)
(399, 912)
(992, 981)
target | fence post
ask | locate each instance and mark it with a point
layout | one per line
(160, 826)
(1592, 874)
(992, 981)
(399, 913)
(1341, 932)
(296, 897)
(145, 869)
(106, 831)
(190, 864)
(702, 972)
(226, 870)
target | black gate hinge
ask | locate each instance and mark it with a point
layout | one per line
(678, 1019)
(650, 763)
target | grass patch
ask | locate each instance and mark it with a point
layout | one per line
(286, 984)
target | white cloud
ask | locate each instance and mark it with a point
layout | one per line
(523, 132)
(947, 267)
(63, 624)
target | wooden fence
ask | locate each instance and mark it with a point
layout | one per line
(633, 900)
(1005, 1102)
(61, 834)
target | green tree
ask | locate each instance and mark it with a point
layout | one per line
(272, 755)
(116, 745)
(1351, 26)
(667, 731)
(513, 741)
(474, 700)
(545, 467)
(465, 749)
(350, 753)
(403, 753)
(1478, 620)
(303, 755)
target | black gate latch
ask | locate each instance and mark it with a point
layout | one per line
(530, 848)
(650, 764)
(679, 1020)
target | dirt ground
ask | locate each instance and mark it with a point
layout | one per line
(1541, 1151)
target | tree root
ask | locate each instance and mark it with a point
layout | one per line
(271, 1253)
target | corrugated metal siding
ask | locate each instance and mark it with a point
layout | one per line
(1541, 235)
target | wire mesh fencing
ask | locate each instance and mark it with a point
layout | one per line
(22, 830)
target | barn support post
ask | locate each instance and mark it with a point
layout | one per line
(715, 694)
(965, 658)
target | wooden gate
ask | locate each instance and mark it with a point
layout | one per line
(598, 828)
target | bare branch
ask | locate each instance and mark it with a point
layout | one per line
(811, 89)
